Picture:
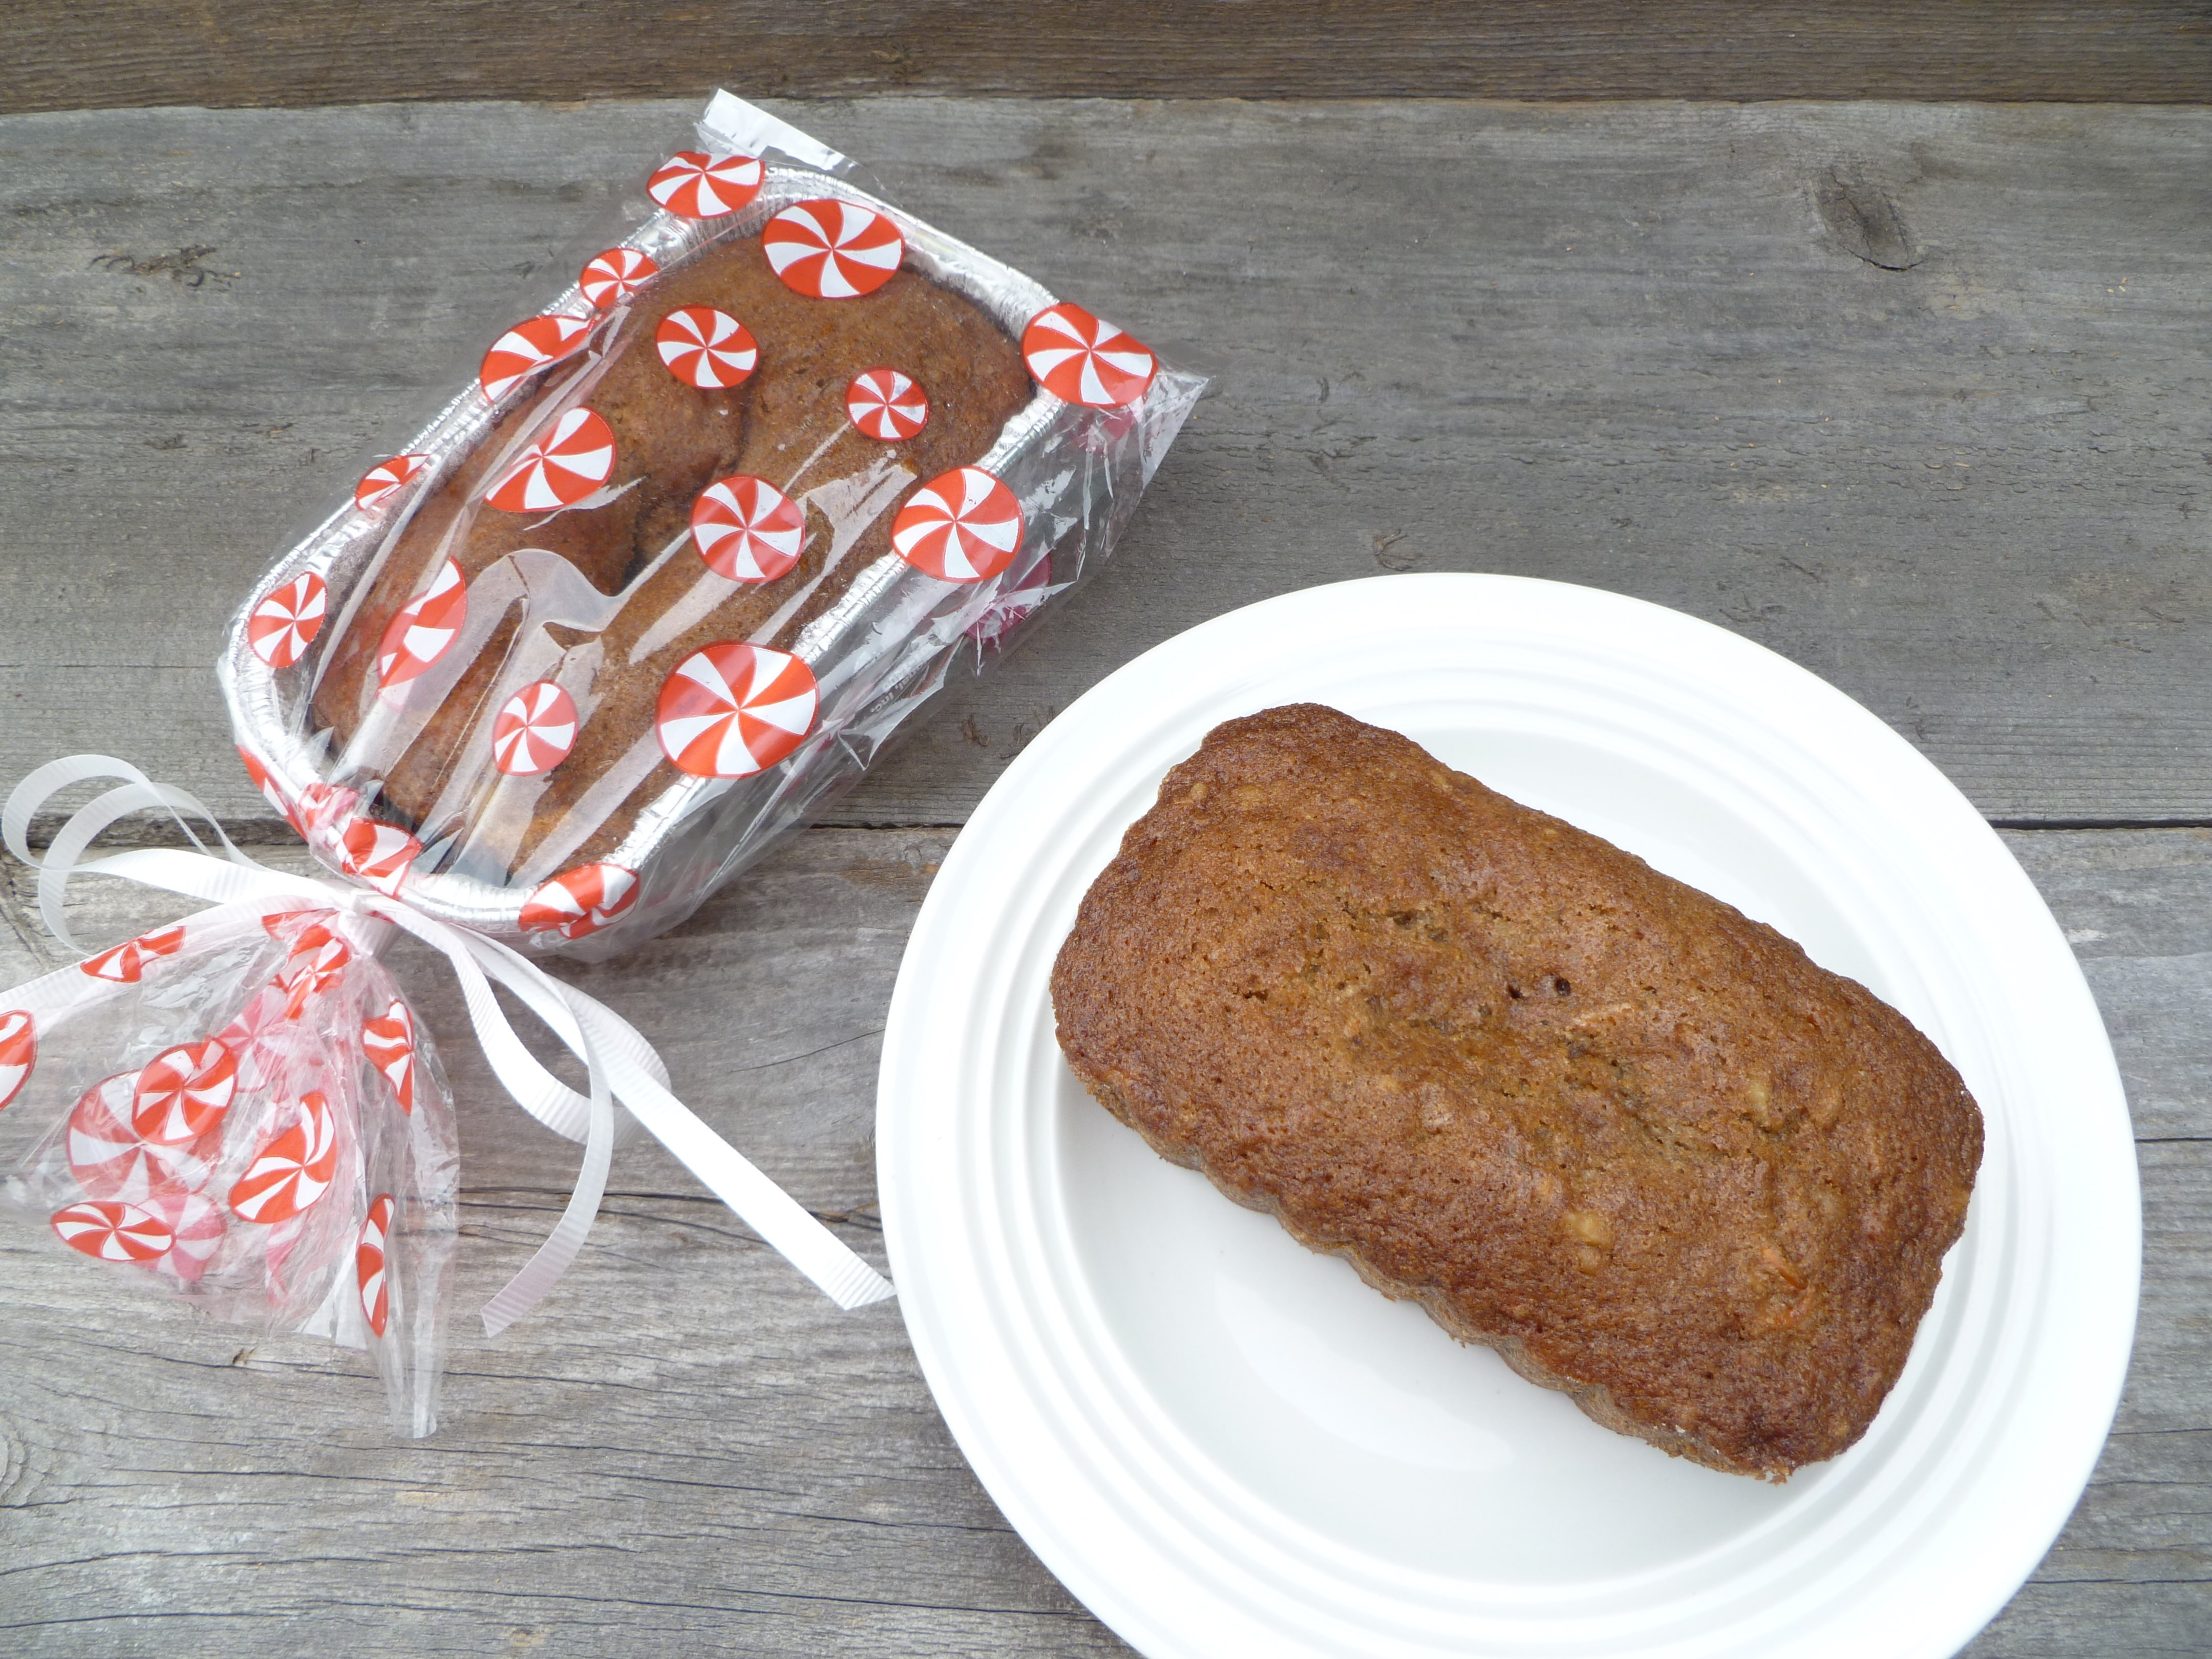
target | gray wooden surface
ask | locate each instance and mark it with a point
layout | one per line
(1915, 395)
(289, 53)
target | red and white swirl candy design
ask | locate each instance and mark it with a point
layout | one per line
(271, 791)
(730, 710)
(886, 404)
(1082, 359)
(196, 1230)
(317, 963)
(528, 347)
(107, 1230)
(283, 625)
(961, 525)
(827, 249)
(293, 1169)
(389, 1043)
(534, 730)
(125, 964)
(706, 347)
(111, 1159)
(182, 1093)
(698, 186)
(560, 468)
(369, 1265)
(580, 901)
(612, 277)
(379, 853)
(263, 1037)
(323, 806)
(386, 478)
(423, 631)
(281, 924)
(746, 529)
(19, 1052)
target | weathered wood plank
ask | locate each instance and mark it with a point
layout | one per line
(1656, 348)
(688, 1449)
(323, 52)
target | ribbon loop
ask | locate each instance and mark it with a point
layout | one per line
(619, 1064)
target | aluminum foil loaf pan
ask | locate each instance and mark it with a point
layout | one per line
(439, 692)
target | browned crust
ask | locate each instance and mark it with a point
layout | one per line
(1582, 1114)
(1593, 1398)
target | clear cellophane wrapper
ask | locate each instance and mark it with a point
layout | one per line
(241, 1109)
(489, 679)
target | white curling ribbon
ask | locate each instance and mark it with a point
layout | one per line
(620, 1064)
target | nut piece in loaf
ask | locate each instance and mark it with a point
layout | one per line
(1586, 1114)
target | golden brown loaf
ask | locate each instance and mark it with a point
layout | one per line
(1583, 1113)
(787, 422)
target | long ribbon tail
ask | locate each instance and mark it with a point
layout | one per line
(633, 1072)
(778, 1218)
(538, 1091)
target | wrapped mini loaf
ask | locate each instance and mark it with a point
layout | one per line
(701, 534)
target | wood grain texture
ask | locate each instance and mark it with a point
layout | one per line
(1729, 359)
(688, 1450)
(1656, 347)
(224, 53)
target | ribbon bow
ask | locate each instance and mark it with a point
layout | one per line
(619, 1063)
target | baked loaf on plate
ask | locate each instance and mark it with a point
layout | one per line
(1607, 1125)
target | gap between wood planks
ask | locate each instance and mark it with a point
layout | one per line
(248, 833)
(290, 53)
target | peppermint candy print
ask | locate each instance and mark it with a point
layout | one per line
(379, 853)
(125, 964)
(386, 479)
(196, 1230)
(182, 1093)
(283, 625)
(110, 1231)
(111, 1159)
(19, 1052)
(560, 468)
(827, 249)
(698, 186)
(730, 710)
(389, 1043)
(262, 1036)
(324, 805)
(316, 964)
(528, 347)
(1082, 359)
(423, 630)
(292, 1170)
(277, 923)
(271, 791)
(368, 1263)
(254, 768)
(580, 901)
(706, 347)
(534, 730)
(609, 278)
(961, 525)
(886, 404)
(746, 529)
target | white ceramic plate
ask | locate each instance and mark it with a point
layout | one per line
(1225, 1444)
